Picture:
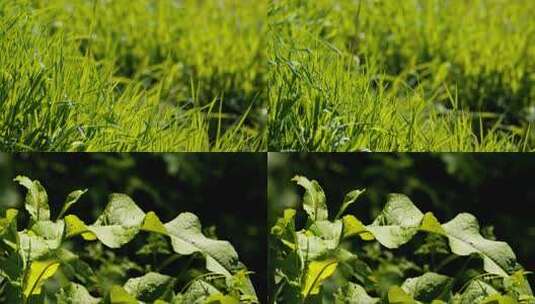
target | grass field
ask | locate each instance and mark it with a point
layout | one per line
(411, 75)
(136, 75)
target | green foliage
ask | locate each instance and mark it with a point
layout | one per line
(157, 75)
(316, 264)
(33, 258)
(408, 75)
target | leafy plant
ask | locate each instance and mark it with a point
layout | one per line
(31, 257)
(342, 260)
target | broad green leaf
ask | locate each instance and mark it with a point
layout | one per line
(428, 287)
(314, 201)
(51, 232)
(187, 238)
(75, 294)
(120, 296)
(316, 273)
(36, 199)
(152, 223)
(398, 222)
(476, 291)
(352, 226)
(74, 226)
(431, 224)
(312, 247)
(465, 239)
(198, 291)
(39, 272)
(150, 287)
(353, 293)
(319, 240)
(119, 223)
(396, 295)
(34, 247)
(72, 198)
(349, 199)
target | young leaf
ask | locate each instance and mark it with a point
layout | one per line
(314, 201)
(72, 198)
(317, 272)
(36, 199)
(119, 296)
(465, 239)
(398, 222)
(352, 226)
(349, 199)
(396, 295)
(38, 273)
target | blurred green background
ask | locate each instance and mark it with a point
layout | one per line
(226, 191)
(499, 189)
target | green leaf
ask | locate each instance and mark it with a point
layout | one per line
(8, 229)
(431, 224)
(428, 287)
(398, 222)
(352, 226)
(119, 296)
(476, 291)
(353, 293)
(396, 295)
(152, 223)
(119, 223)
(349, 199)
(314, 201)
(187, 238)
(74, 226)
(72, 198)
(198, 291)
(75, 294)
(39, 272)
(36, 199)
(321, 238)
(316, 273)
(285, 228)
(465, 239)
(150, 287)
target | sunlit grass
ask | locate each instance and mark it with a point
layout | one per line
(409, 75)
(136, 75)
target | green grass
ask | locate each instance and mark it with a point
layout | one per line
(132, 75)
(412, 75)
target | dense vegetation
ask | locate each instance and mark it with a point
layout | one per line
(450, 262)
(156, 75)
(169, 185)
(414, 75)
(38, 253)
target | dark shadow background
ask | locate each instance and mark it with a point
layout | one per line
(226, 191)
(499, 189)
